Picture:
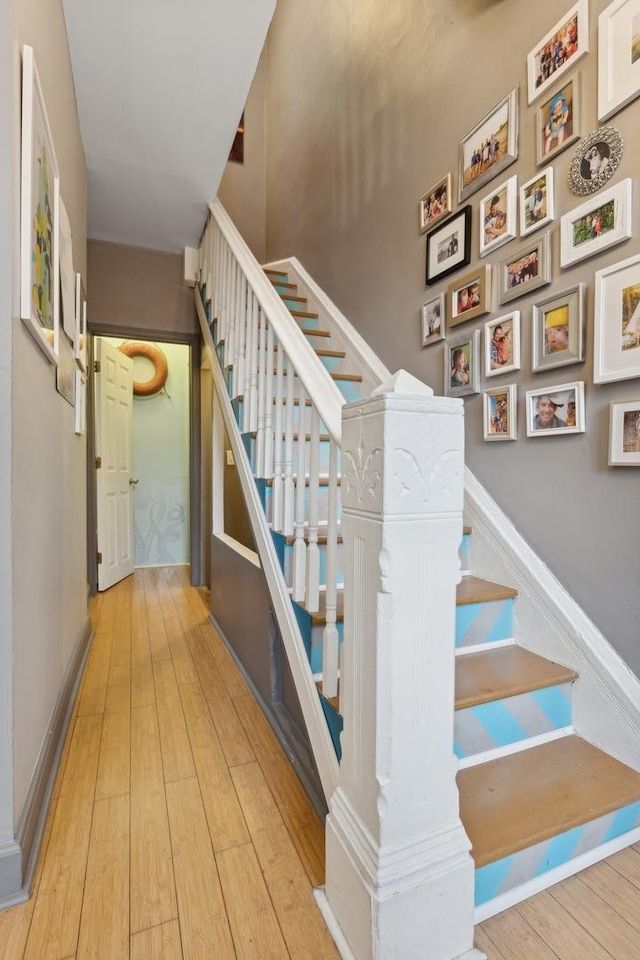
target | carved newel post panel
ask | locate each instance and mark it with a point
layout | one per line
(399, 877)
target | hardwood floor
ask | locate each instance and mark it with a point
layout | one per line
(179, 831)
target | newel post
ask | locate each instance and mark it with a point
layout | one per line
(399, 875)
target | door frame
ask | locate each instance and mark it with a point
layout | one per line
(194, 341)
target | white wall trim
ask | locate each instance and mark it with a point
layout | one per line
(240, 548)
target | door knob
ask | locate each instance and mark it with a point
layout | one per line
(133, 481)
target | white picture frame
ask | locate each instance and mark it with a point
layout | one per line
(432, 316)
(502, 344)
(624, 433)
(618, 56)
(559, 50)
(556, 410)
(616, 348)
(537, 208)
(497, 216)
(500, 413)
(80, 412)
(462, 365)
(579, 237)
(81, 323)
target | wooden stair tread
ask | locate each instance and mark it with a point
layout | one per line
(319, 619)
(504, 672)
(321, 436)
(322, 538)
(334, 701)
(291, 296)
(304, 314)
(466, 530)
(275, 273)
(477, 590)
(351, 377)
(315, 333)
(512, 803)
(323, 480)
(282, 283)
(323, 352)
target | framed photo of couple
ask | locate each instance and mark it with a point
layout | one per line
(449, 246)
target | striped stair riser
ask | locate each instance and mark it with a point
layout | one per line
(504, 875)
(237, 403)
(335, 724)
(312, 637)
(464, 553)
(281, 288)
(284, 277)
(323, 460)
(285, 556)
(484, 622)
(511, 720)
(330, 364)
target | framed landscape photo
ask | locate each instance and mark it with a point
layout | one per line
(536, 202)
(558, 120)
(597, 224)
(502, 344)
(624, 433)
(558, 329)
(490, 147)
(525, 269)
(433, 320)
(469, 296)
(498, 216)
(552, 411)
(449, 246)
(559, 50)
(499, 413)
(435, 204)
(595, 161)
(617, 322)
(618, 56)
(462, 365)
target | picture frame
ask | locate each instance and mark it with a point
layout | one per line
(558, 329)
(525, 269)
(624, 433)
(81, 323)
(555, 411)
(597, 224)
(80, 412)
(595, 161)
(469, 296)
(449, 246)
(559, 50)
(499, 413)
(432, 314)
(618, 56)
(502, 344)
(462, 365)
(616, 349)
(434, 204)
(496, 135)
(39, 216)
(558, 120)
(537, 208)
(497, 220)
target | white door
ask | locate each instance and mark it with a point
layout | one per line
(114, 483)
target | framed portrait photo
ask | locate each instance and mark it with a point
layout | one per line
(558, 329)
(469, 296)
(433, 320)
(81, 323)
(618, 56)
(490, 147)
(502, 344)
(595, 161)
(499, 413)
(525, 269)
(624, 433)
(558, 120)
(462, 365)
(449, 246)
(536, 202)
(597, 224)
(559, 50)
(552, 411)
(617, 322)
(435, 204)
(497, 220)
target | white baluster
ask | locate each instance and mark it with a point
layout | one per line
(253, 393)
(246, 383)
(289, 487)
(262, 370)
(277, 492)
(238, 347)
(313, 553)
(300, 547)
(230, 348)
(268, 408)
(330, 633)
(224, 302)
(217, 276)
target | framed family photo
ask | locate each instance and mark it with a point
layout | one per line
(498, 216)
(597, 224)
(462, 365)
(559, 50)
(449, 246)
(624, 433)
(558, 329)
(618, 56)
(617, 322)
(435, 204)
(469, 296)
(433, 320)
(502, 344)
(490, 147)
(499, 413)
(552, 411)
(558, 121)
(595, 161)
(525, 269)
(536, 202)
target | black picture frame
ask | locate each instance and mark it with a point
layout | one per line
(449, 246)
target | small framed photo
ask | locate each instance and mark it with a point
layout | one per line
(433, 320)
(552, 411)
(462, 365)
(502, 344)
(449, 246)
(499, 413)
(536, 202)
(617, 322)
(525, 269)
(558, 121)
(490, 147)
(81, 323)
(498, 216)
(80, 414)
(596, 224)
(469, 296)
(624, 433)
(618, 56)
(595, 161)
(559, 50)
(558, 329)
(435, 204)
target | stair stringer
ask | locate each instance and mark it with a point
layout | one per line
(548, 621)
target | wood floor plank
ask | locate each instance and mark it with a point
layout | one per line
(627, 863)
(142, 687)
(515, 938)
(114, 765)
(617, 891)
(564, 935)
(104, 924)
(118, 698)
(177, 760)
(158, 943)
(203, 918)
(94, 688)
(157, 632)
(600, 920)
(233, 679)
(482, 942)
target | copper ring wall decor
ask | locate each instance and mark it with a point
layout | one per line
(147, 388)
(595, 161)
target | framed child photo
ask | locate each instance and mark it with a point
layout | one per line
(618, 56)
(490, 147)
(462, 365)
(597, 224)
(553, 411)
(498, 216)
(525, 269)
(558, 121)
(502, 344)
(536, 202)
(558, 329)
(469, 296)
(433, 320)
(435, 204)
(499, 413)
(559, 50)
(617, 322)
(624, 433)
(449, 246)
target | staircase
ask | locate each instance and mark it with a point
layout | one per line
(537, 801)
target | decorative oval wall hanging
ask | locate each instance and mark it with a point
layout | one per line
(595, 161)
(147, 388)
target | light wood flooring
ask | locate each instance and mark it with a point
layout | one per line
(178, 828)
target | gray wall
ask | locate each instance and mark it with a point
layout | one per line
(365, 106)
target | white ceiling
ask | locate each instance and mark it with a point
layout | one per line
(160, 85)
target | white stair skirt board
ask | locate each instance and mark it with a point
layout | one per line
(517, 747)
